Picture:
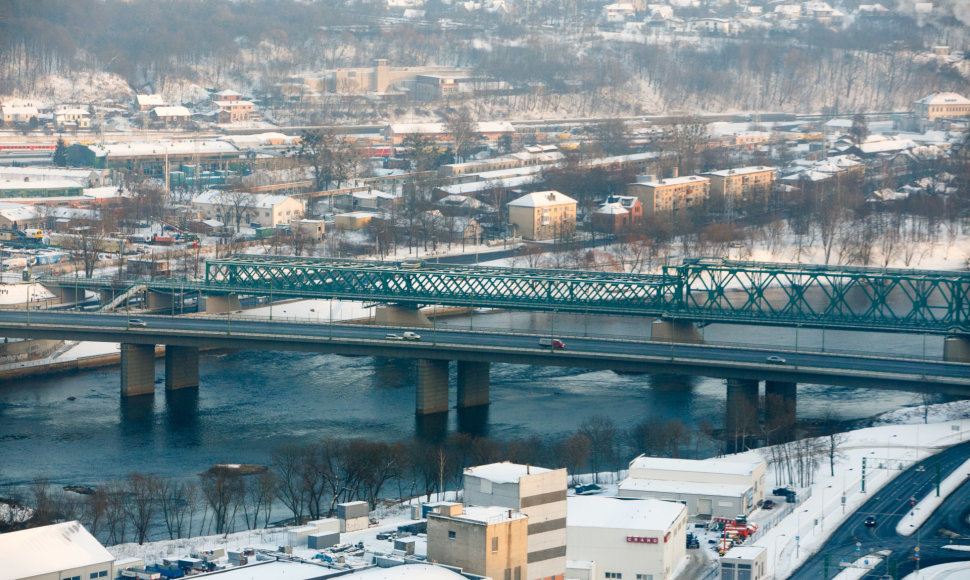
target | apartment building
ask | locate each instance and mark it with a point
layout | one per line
(672, 194)
(743, 183)
(543, 215)
(539, 493)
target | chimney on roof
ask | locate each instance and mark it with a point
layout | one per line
(527, 469)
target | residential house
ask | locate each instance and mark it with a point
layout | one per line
(148, 102)
(16, 114)
(543, 215)
(617, 214)
(75, 117)
(171, 115)
(243, 208)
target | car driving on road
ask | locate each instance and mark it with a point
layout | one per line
(775, 360)
(137, 322)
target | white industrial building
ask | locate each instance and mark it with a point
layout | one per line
(709, 488)
(539, 493)
(59, 551)
(639, 539)
(744, 563)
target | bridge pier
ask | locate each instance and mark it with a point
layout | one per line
(472, 384)
(181, 367)
(215, 304)
(675, 331)
(780, 405)
(432, 387)
(740, 413)
(398, 315)
(159, 301)
(70, 294)
(137, 369)
(956, 349)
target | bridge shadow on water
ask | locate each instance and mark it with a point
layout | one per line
(182, 416)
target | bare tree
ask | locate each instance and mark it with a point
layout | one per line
(602, 434)
(142, 493)
(574, 453)
(224, 491)
(462, 127)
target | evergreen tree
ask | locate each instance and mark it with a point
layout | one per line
(60, 153)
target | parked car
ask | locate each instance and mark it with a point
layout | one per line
(871, 522)
(768, 504)
(775, 360)
(553, 342)
(412, 336)
(137, 322)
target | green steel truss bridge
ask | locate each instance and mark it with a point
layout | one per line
(701, 290)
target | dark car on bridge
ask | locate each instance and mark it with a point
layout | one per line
(871, 522)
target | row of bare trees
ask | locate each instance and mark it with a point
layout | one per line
(307, 481)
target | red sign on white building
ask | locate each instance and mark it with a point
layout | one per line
(641, 540)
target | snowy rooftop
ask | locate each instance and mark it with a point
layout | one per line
(50, 549)
(693, 488)
(740, 171)
(504, 472)
(744, 552)
(408, 572)
(47, 184)
(677, 181)
(174, 111)
(724, 466)
(150, 100)
(490, 514)
(542, 199)
(163, 148)
(611, 512)
(944, 99)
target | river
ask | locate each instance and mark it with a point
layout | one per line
(75, 429)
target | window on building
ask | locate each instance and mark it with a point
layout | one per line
(451, 535)
(508, 574)
(518, 573)
(644, 576)
(614, 575)
(93, 575)
(495, 544)
(102, 573)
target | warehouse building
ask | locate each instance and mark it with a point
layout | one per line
(609, 537)
(60, 551)
(709, 488)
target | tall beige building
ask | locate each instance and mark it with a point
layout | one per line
(743, 183)
(537, 492)
(671, 195)
(488, 541)
(543, 215)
